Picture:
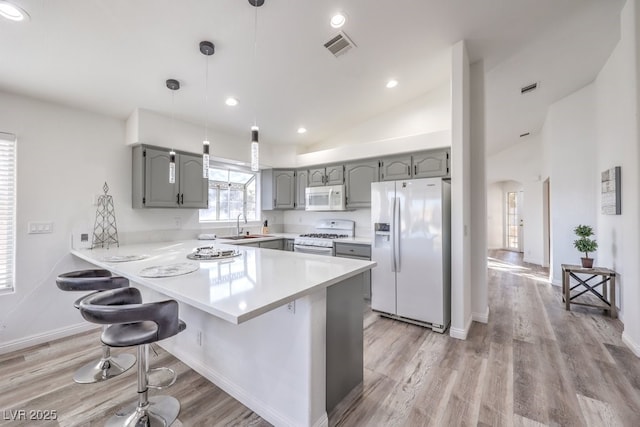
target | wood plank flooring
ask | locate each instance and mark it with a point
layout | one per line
(533, 364)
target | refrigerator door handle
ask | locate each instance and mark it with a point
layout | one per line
(393, 236)
(396, 235)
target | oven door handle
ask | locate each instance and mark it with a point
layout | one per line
(312, 250)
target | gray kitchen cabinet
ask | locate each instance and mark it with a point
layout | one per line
(394, 168)
(329, 175)
(358, 178)
(273, 244)
(431, 164)
(356, 251)
(302, 181)
(278, 189)
(288, 245)
(151, 187)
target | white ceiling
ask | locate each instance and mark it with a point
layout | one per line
(114, 56)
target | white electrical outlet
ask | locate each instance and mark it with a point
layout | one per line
(291, 307)
(178, 222)
(40, 227)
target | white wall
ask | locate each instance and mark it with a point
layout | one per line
(64, 158)
(617, 97)
(426, 114)
(569, 132)
(460, 193)
(478, 197)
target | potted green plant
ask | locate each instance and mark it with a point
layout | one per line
(585, 243)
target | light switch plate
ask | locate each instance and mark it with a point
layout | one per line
(40, 227)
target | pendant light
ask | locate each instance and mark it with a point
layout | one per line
(206, 48)
(255, 150)
(173, 85)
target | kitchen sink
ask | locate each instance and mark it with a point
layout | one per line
(247, 236)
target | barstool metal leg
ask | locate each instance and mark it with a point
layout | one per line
(146, 412)
(107, 367)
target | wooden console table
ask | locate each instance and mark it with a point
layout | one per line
(606, 277)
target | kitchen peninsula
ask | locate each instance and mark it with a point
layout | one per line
(279, 331)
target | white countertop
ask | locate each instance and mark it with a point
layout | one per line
(235, 289)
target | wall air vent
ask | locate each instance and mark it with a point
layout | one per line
(528, 88)
(524, 134)
(339, 44)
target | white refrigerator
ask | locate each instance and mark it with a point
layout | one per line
(411, 226)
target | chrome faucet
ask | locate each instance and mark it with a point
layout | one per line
(238, 229)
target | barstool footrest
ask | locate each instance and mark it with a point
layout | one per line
(104, 369)
(159, 378)
(161, 411)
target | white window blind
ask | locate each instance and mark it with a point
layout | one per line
(7, 209)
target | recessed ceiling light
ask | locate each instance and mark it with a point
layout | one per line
(302, 130)
(338, 20)
(231, 102)
(12, 12)
(392, 83)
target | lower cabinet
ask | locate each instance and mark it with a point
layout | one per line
(273, 244)
(363, 252)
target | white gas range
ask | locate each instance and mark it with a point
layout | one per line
(320, 242)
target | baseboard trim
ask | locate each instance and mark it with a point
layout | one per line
(633, 346)
(256, 405)
(461, 334)
(30, 341)
(481, 317)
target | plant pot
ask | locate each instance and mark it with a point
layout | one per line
(587, 262)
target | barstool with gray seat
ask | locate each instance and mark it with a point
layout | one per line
(132, 323)
(97, 280)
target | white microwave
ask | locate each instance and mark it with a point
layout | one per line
(327, 198)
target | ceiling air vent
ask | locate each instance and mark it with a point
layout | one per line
(529, 88)
(339, 44)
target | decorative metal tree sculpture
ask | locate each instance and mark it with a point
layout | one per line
(105, 231)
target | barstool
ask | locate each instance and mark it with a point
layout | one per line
(132, 323)
(97, 280)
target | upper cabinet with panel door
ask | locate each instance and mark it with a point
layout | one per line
(151, 186)
(427, 164)
(277, 189)
(431, 164)
(358, 177)
(329, 175)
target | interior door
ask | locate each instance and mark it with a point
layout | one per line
(383, 277)
(420, 270)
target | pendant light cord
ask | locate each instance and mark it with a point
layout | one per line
(206, 100)
(255, 66)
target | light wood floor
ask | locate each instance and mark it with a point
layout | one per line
(533, 364)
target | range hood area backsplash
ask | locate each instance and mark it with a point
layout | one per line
(298, 221)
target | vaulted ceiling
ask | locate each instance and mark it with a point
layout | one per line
(114, 56)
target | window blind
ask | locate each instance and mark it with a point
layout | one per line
(7, 209)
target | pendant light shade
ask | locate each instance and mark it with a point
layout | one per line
(255, 154)
(172, 167)
(205, 159)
